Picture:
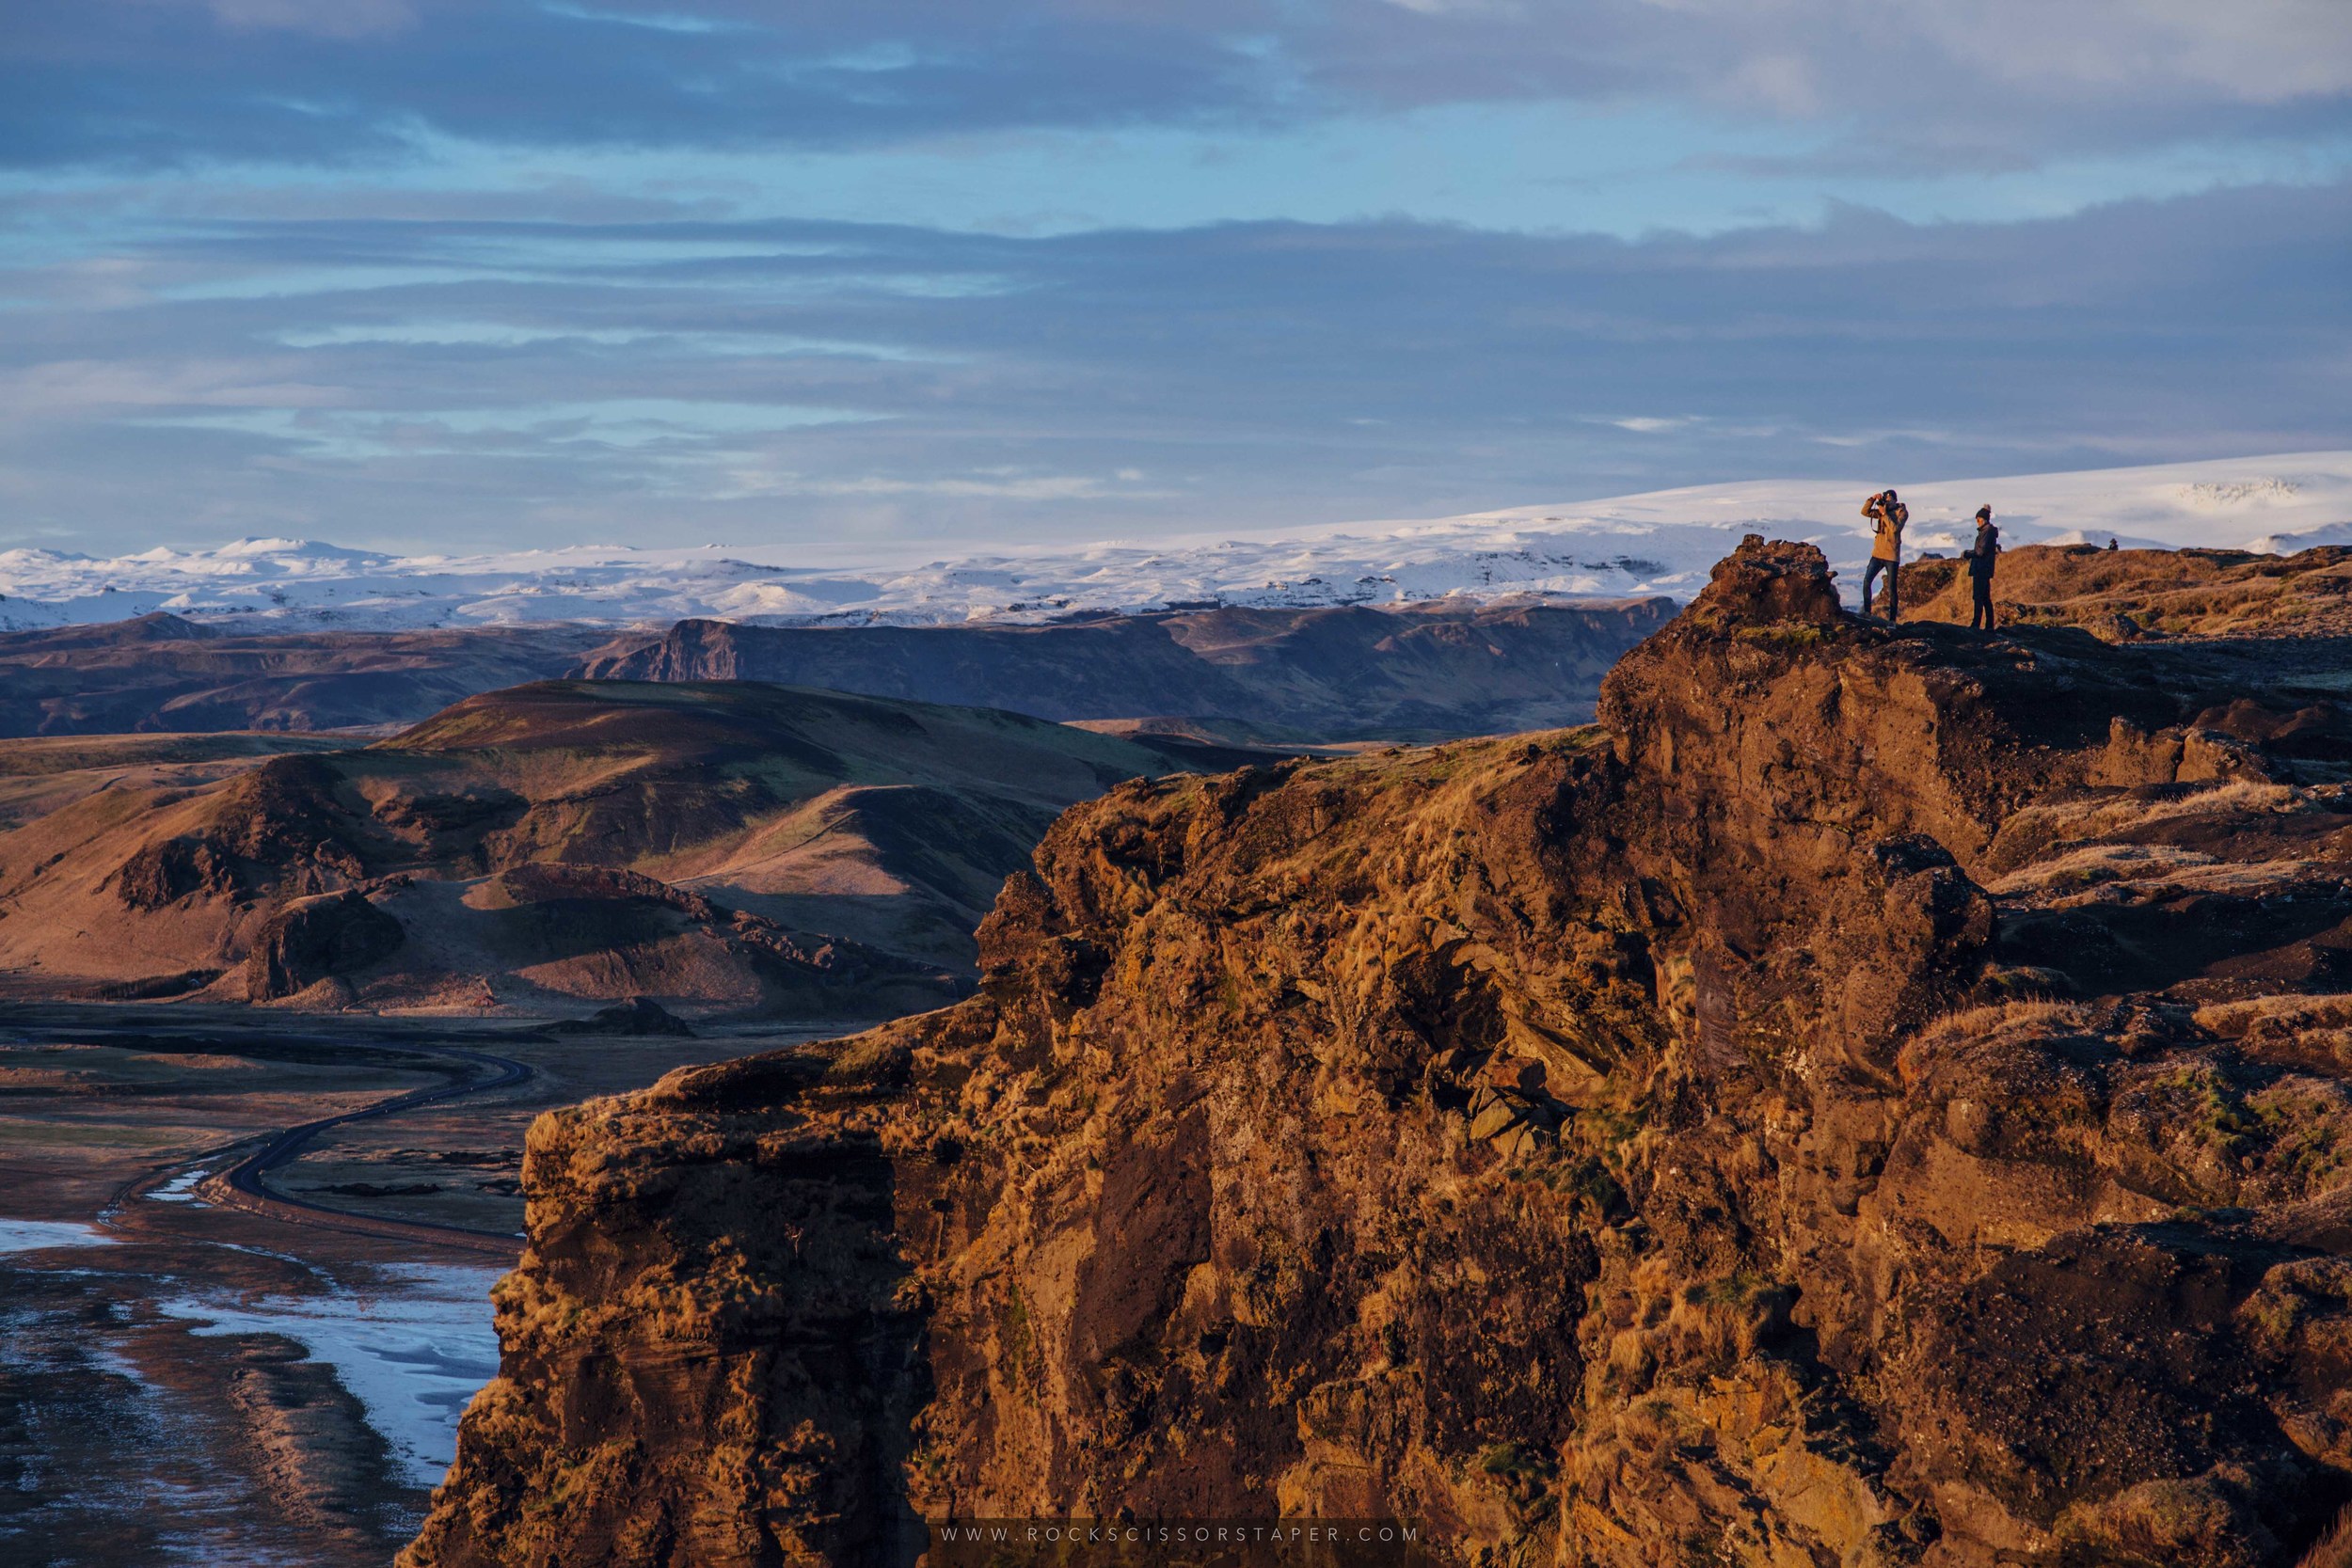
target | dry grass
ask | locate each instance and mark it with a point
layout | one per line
(2095, 864)
(2131, 593)
(2289, 1015)
(1996, 1023)
(2105, 816)
(2334, 1549)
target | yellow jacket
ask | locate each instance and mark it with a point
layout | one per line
(1889, 546)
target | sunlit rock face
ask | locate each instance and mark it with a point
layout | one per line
(1877, 1097)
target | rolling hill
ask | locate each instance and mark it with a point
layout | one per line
(166, 674)
(730, 845)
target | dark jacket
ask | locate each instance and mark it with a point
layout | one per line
(1981, 554)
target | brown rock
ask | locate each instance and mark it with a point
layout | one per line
(315, 939)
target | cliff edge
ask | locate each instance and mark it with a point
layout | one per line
(1877, 1097)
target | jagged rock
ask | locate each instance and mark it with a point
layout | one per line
(163, 874)
(1232, 1192)
(1765, 584)
(315, 939)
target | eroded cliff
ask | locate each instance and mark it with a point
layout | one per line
(1877, 1097)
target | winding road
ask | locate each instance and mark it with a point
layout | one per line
(248, 1175)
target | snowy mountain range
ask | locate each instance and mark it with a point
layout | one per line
(1662, 542)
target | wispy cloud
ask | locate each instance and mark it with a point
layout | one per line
(755, 380)
(163, 81)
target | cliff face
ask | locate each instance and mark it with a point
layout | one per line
(1876, 1097)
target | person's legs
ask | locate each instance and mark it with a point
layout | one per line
(1870, 575)
(1894, 590)
(1980, 607)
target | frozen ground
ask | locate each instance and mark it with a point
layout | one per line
(1659, 543)
(40, 1235)
(413, 1350)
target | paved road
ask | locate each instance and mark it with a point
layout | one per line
(248, 1176)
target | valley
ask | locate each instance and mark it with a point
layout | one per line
(190, 1373)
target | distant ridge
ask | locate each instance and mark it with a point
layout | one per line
(1343, 673)
(1659, 543)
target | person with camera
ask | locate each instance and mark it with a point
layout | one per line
(1887, 550)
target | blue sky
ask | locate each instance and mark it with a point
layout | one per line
(502, 274)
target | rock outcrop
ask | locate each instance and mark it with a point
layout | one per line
(1877, 1097)
(639, 1016)
(317, 939)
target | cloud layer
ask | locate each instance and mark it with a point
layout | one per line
(169, 80)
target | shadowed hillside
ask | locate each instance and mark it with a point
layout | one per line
(1293, 675)
(1877, 1097)
(1407, 671)
(737, 846)
(164, 673)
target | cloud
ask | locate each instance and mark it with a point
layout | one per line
(463, 381)
(168, 81)
(330, 19)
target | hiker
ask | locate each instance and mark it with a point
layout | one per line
(1887, 509)
(1979, 558)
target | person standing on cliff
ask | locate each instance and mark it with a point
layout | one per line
(1980, 556)
(1886, 551)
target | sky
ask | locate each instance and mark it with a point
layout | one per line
(507, 273)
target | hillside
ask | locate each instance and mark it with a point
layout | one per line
(1449, 668)
(728, 846)
(1877, 1097)
(2125, 596)
(161, 672)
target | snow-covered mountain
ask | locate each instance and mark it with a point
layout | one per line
(1660, 543)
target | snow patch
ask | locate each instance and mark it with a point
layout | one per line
(40, 1235)
(182, 1188)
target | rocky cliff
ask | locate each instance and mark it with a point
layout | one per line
(1877, 1097)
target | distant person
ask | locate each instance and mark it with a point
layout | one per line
(2111, 543)
(1980, 557)
(1886, 551)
